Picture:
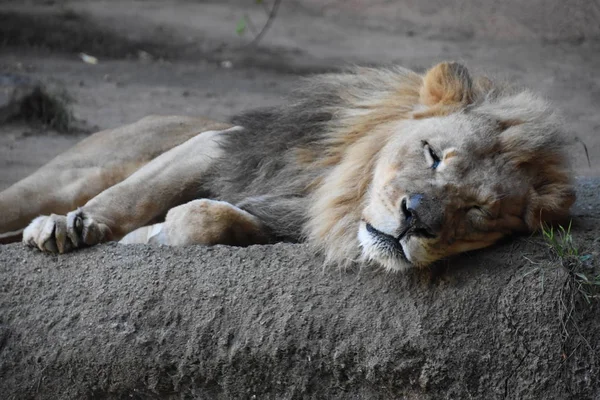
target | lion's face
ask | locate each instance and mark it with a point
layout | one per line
(459, 180)
(437, 191)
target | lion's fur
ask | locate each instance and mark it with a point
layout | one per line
(325, 139)
(337, 164)
(91, 166)
(323, 149)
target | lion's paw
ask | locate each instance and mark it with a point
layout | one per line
(208, 222)
(61, 234)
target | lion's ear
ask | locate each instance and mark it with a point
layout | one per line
(447, 84)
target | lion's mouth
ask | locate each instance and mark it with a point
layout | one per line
(387, 242)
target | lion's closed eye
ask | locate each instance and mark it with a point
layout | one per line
(478, 212)
(431, 156)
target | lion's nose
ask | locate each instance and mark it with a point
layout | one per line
(409, 206)
(422, 214)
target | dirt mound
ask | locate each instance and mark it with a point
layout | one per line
(268, 321)
(23, 99)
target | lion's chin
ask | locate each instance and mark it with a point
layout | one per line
(373, 251)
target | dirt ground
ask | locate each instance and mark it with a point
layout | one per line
(269, 322)
(184, 57)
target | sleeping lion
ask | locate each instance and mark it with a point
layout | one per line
(385, 166)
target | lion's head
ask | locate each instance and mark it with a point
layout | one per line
(462, 164)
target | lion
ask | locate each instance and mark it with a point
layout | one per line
(377, 165)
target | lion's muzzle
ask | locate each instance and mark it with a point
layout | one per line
(423, 216)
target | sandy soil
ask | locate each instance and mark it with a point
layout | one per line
(268, 322)
(184, 57)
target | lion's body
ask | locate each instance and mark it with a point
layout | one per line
(343, 158)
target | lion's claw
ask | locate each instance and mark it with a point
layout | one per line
(61, 234)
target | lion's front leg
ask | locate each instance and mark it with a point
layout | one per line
(206, 222)
(98, 162)
(167, 181)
